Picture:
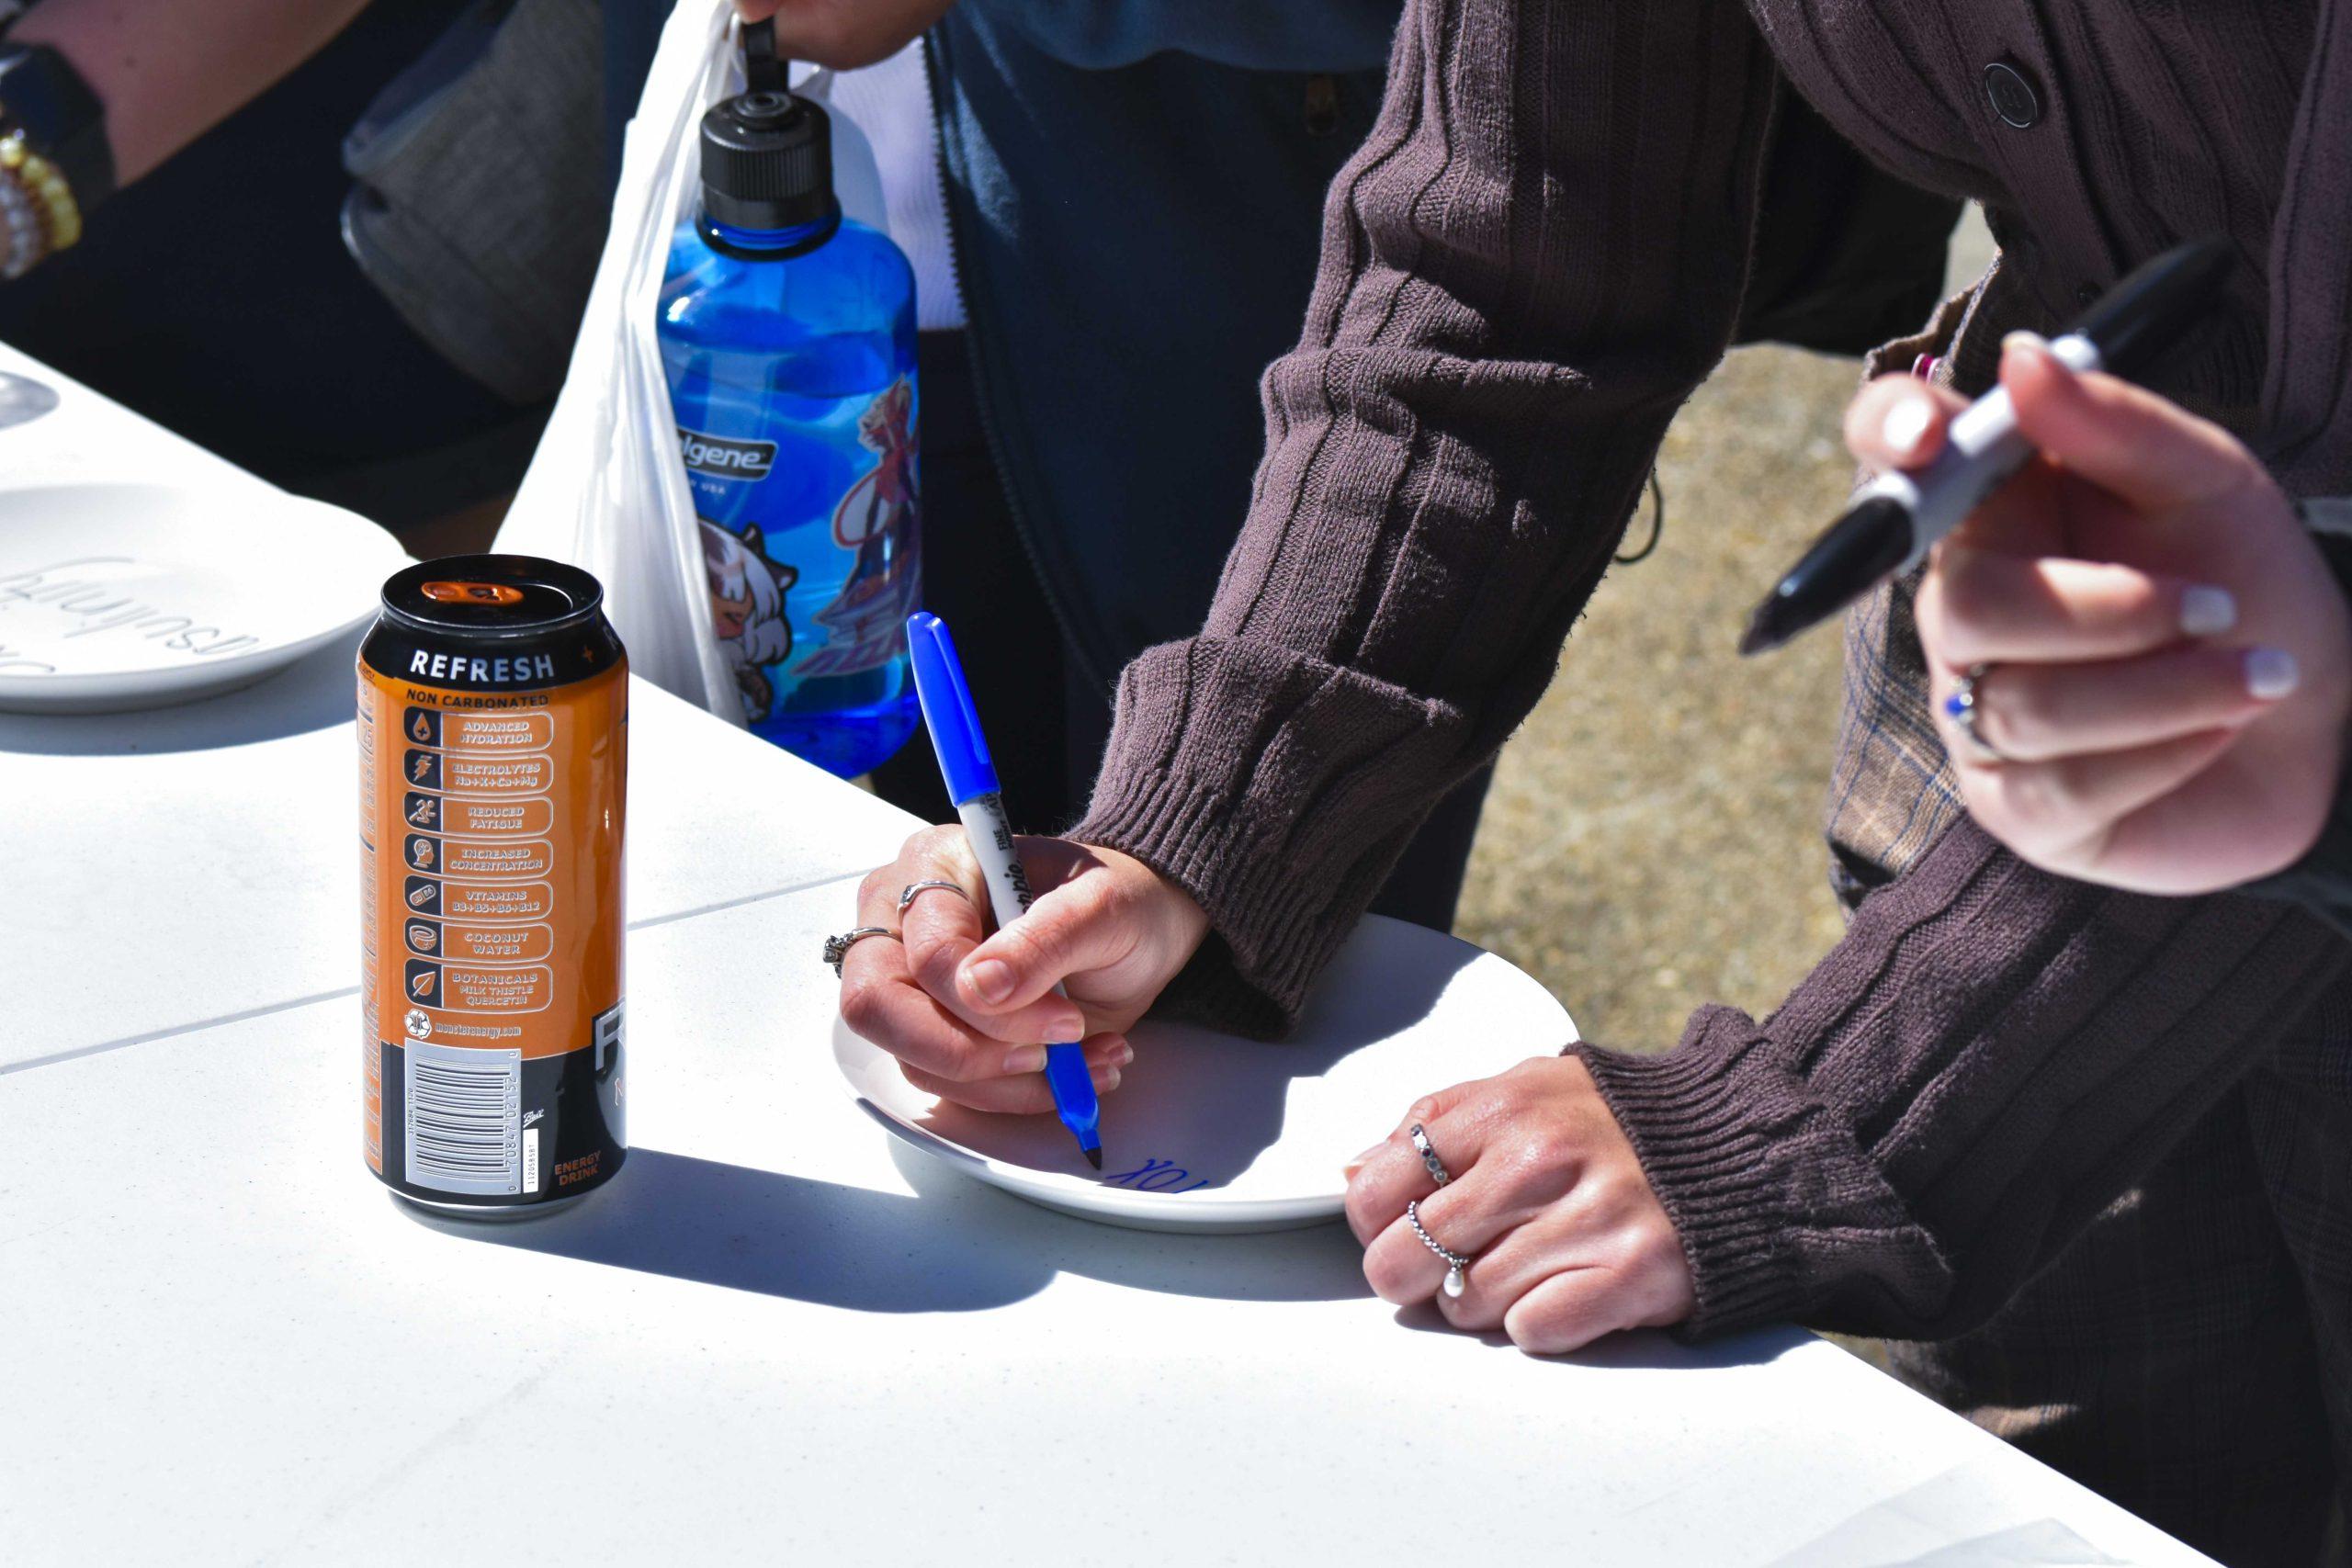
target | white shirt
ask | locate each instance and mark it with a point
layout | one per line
(891, 103)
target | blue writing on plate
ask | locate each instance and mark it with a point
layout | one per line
(1155, 1176)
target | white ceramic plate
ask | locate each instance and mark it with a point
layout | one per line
(118, 596)
(1211, 1132)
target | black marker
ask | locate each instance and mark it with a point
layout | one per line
(1896, 516)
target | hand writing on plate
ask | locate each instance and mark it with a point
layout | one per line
(1567, 1241)
(965, 1011)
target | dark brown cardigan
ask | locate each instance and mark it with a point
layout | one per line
(1539, 252)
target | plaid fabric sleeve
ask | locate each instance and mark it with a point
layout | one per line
(1986, 1061)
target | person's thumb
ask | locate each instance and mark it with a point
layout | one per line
(757, 10)
(1069, 930)
(2150, 453)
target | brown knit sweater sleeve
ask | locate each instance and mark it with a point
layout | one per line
(1536, 254)
(1990, 1058)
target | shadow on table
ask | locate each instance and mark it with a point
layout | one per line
(954, 1246)
(1640, 1349)
(314, 693)
(1318, 1263)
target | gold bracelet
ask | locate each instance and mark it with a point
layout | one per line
(27, 229)
(45, 183)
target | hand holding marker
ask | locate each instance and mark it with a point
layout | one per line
(1898, 516)
(970, 775)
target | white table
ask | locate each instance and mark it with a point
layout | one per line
(777, 1336)
(202, 863)
(198, 863)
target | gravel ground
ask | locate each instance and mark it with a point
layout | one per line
(1653, 838)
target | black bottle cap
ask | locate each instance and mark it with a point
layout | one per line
(767, 161)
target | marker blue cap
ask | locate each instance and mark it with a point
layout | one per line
(947, 710)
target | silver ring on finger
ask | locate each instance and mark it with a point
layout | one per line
(1430, 1162)
(1455, 1262)
(837, 947)
(1966, 712)
(914, 890)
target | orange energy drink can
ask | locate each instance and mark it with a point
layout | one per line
(493, 749)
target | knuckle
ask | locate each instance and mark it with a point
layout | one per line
(2146, 607)
(1113, 898)
(958, 1061)
(1528, 1331)
(2044, 808)
(932, 848)
(875, 885)
(2049, 794)
(935, 968)
(1986, 801)
(2015, 709)
(1469, 1311)
(1027, 943)
(862, 1008)
(1547, 1166)
(1025, 1099)
(1385, 1271)
(1966, 601)
(1086, 901)
(1537, 1326)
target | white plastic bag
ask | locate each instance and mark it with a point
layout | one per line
(606, 490)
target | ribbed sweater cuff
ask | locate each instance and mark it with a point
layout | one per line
(1715, 1141)
(1277, 790)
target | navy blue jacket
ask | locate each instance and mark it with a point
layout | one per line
(1134, 191)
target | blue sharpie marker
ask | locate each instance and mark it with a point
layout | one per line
(970, 772)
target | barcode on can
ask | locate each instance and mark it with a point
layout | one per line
(464, 1113)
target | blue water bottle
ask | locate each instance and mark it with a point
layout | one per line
(788, 336)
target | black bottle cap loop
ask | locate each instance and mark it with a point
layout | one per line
(763, 71)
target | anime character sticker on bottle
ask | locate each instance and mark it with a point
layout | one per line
(866, 621)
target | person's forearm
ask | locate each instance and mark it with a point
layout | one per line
(1989, 1058)
(169, 72)
(1536, 254)
(1297, 35)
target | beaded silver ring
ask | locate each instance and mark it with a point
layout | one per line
(1455, 1262)
(1430, 1162)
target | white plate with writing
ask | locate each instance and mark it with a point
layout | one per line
(1208, 1131)
(121, 596)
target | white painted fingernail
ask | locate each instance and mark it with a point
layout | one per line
(2207, 612)
(1906, 424)
(2270, 673)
